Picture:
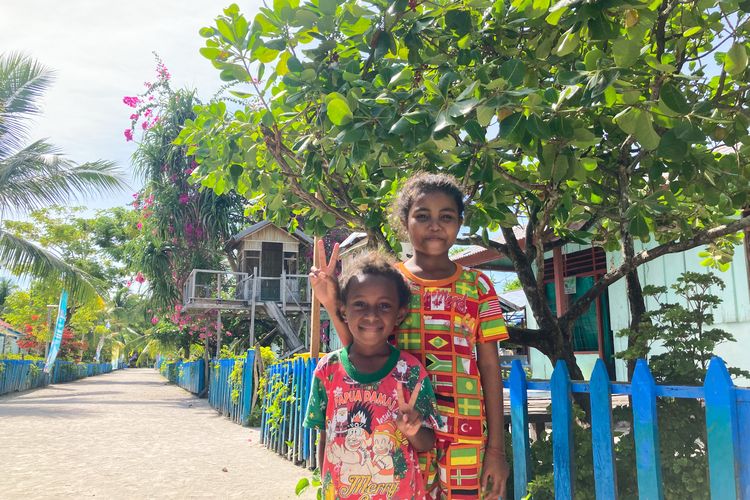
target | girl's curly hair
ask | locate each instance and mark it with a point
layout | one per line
(374, 263)
(424, 183)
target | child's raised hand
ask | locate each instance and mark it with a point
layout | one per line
(322, 278)
(408, 421)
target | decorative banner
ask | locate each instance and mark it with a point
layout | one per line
(99, 348)
(57, 337)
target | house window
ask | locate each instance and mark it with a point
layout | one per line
(290, 262)
(591, 331)
(252, 261)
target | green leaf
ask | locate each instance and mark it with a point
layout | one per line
(735, 61)
(459, 21)
(338, 112)
(294, 65)
(225, 30)
(625, 52)
(513, 71)
(302, 485)
(485, 114)
(627, 120)
(443, 121)
(475, 130)
(264, 54)
(652, 61)
(568, 43)
(673, 98)
(692, 31)
(644, 131)
(328, 7)
(404, 76)
(329, 220)
(639, 227)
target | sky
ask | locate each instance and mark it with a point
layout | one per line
(100, 52)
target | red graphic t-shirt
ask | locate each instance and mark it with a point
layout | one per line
(365, 454)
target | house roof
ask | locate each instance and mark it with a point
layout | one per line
(515, 297)
(352, 239)
(7, 328)
(234, 240)
(489, 258)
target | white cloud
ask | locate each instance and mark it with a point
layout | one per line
(102, 51)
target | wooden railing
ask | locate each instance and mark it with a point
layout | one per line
(212, 288)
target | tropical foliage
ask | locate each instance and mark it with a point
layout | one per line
(36, 174)
(592, 123)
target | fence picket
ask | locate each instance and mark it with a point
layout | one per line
(562, 432)
(605, 473)
(646, 433)
(721, 430)
(743, 431)
(519, 421)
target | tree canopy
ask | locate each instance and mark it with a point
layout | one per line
(594, 123)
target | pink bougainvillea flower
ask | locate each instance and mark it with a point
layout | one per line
(144, 125)
(131, 101)
(154, 320)
(128, 283)
(128, 134)
(139, 225)
(188, 171)
(147, 113)
(184, 198)
(134, 116)
(140, 278)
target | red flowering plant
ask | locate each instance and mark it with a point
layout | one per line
(181, 226)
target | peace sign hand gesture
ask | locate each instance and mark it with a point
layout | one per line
(322, 278)
(408, 420)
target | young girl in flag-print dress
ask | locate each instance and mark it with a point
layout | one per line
(452, 326)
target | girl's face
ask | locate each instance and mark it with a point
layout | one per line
(433, 223)
(371, 309)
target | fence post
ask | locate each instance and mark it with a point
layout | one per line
(646, 433)
(519, 425)
(721, 430)
(562, 432)
(247, 386)
(605, 473)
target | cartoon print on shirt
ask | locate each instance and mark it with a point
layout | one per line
(354, 454)
(383, 444)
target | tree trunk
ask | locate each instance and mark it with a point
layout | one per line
(636, 302)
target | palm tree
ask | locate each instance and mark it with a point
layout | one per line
(37, 174)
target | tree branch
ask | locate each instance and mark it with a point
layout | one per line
(701, 238)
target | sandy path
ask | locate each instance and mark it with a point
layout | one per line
(129, 434)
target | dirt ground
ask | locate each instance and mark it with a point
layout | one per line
(130, 434)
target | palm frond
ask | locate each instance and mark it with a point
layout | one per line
(22, 82)
(24, 258)
(38, 176)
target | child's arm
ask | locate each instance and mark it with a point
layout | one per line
(321, 448)
(326, 288)
(409, 421)
(495, 463)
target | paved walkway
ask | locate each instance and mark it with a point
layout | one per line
(129, 434)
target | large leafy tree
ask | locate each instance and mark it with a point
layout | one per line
(36, 174)
(595, 123)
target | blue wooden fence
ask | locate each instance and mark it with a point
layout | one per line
(21, 375)
(727, 425)
(727, 430)
(287, 390)
(221, 388)
(191, 377)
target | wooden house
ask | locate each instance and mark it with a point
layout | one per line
(266, 281)
(571, 270)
